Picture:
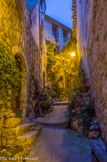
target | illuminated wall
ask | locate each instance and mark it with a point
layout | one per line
(92, 41)
(16, 36)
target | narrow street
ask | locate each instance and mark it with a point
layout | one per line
(58, 144)
(53, 54)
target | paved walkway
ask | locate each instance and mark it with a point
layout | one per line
(57, 144)
(57, 116)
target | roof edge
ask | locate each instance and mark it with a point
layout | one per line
(58, 22)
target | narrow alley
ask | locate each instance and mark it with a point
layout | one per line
(53, 80)
(56, 143)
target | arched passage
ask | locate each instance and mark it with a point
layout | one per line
(21, 103)
(21, 99)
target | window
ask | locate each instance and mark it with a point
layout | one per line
(65, 36)
(55, 31)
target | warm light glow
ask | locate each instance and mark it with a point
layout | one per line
(73, 54)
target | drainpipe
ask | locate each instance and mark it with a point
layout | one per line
(39, 43)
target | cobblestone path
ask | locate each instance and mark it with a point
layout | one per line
(58, 144)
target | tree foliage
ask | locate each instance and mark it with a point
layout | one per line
(62, 68)
(10, 78)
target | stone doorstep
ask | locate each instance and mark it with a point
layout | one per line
(99, 149)
(24, 128)
(28, 138)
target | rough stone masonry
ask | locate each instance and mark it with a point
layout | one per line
(92, 44)
(16, 36)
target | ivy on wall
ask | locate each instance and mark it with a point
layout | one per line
(10, 78)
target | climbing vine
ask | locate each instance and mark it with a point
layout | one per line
(10, 78)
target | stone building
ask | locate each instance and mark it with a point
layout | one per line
(37, 24)
(21, 32)
(92, 46)
(56, 32)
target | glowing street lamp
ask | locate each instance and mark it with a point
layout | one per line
(72, 54)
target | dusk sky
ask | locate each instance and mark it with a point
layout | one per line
(60, 10)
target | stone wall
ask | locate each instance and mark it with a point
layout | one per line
(16, 138)
(34, 23)
(8, 123)
(82, 23)
(37, 21)
(16, 36)
(92, 41)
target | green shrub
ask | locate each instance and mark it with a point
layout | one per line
(10, 78)
(85, 120)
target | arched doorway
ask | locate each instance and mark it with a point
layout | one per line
(18, 97)
(21, 98)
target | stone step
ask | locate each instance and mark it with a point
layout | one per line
(99, 149)
(23, 128)
(20, 129)
(28, 138)
(26, 141)
(55, 124)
